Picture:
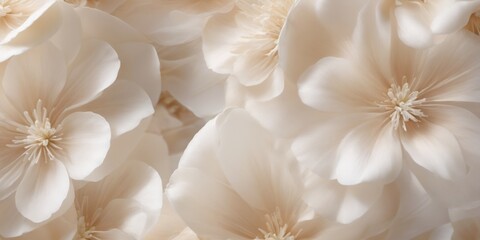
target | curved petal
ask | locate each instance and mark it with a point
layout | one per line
(436, 149)
(414, 24)
(10, 177)
(343, 204)
(453, 17)
(124, 105)
(85, 141)
(141, 65)
(94, 69)
(42, 191)
(39, 74)
(219, 36)
(116, 234)
(210, 207)
(125, 215)
(39, 29)
(369, 152)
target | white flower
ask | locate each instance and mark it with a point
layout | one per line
(384, 103)
(235, 181)
(50, 133)
(243, 43)
(424, 23)
(26, 23)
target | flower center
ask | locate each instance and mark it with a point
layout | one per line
(276, 229)
(403, 104)
(265, 22)
(37, 136)
(86, 229)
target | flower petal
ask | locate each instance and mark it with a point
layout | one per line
(436, 149)
(69, 36)
(114, 234)
(125, 215)
(140, 64)
(454, 16)
(85, 140)
(369, 152)
(95, 68)
(10, 177)
(219, 35)
(414, 25)
(210, 207)
(42, 191)
(39, 74)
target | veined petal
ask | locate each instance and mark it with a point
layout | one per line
(94, 69)
(42, 191)
(10, 177)
(85, 140)
(39, 74)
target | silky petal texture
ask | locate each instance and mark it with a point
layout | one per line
(123, 105)
(38, 31)
(418, 211)
(10, 177)
(68, 38)
(336, 85)
(454, 16)
(95, 69)
(436, 149)
(140, 64)
(135, 181)
(343, 204)
(40, 7)
(110, 5)
(125, 215)
(85, 140)
(210, 207)
(16, 224)
(369, 152)
(261, 174)
(60, 228)
(187, 77)
(299, 46)
(253, 68)
(39, 74)
(119, 151)
(447, 80)
(219, 35)
(42, 191)
(414, 24)
(97, 24)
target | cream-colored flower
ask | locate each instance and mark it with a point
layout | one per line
(244, 42)
(384, 103)
(57, 119)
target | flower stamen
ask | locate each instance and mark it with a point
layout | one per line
(403, 104)
(37, 136)
(276, 229)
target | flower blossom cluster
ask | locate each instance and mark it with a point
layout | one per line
(239, 119)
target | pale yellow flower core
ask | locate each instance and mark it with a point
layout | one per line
(403, 104)
(173, 107)
(86, 229)
(36, 135)
(276, 228)
(266, 19)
